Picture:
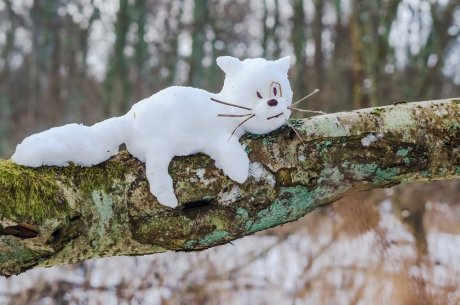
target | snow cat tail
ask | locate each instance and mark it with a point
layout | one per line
(83, 145)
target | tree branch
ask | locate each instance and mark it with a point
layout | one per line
(51, 216)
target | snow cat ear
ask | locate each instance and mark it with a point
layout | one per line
(283, 64)
(228, 64)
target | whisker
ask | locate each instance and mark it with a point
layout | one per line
(230, 104)
(234, 130)
(293, 128)
(233, 115)
(305, 97)
(305, 110)
(275, 116)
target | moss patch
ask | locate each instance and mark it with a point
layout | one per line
(453, 126)
(398, 120)
(377, 111)
(363, 171)
(215, 237)
(291, 204)
(385, 175)
(13, 252)
(327, 126)
(323, 149)
(269, 140)
(402, 152)
(190, 229)
(426, 174)
(28, 194)
(98, 177)
(247, 149)
(293, 123)
(331, 175)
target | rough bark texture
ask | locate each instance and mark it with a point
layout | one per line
(51, 216)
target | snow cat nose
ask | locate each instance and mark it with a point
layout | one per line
(272, 102)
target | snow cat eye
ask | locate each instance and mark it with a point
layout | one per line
(259, 95)
(275, 89)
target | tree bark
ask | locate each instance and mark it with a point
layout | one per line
(51, 215)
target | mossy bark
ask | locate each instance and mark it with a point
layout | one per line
(51, 216)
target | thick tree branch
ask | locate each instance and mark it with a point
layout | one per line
(51, 216)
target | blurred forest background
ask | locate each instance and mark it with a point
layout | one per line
(85, 60)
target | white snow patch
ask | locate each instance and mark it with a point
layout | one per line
(386, 206)
(370, 138)
(258, 172)
(443, 248)
(231, 196)
(200, 173)
(441, 112)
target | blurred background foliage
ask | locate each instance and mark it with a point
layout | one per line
(85, 60)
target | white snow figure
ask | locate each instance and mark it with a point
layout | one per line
(177, 121)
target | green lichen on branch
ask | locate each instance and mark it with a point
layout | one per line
(52, 215)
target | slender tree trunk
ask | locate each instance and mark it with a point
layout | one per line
(270, 40)
(317, 34)
(117, 89)
(433, 81)
(275, 29)
(5, 113)
(200, 20)
(360, 98)
(141, 50)
(5, 106)
(342, 57)
(298, 37)
(173, 44)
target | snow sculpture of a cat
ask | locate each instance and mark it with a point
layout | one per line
(177, 121)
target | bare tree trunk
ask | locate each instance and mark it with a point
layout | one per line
(51, 216)
(5, 104)
(270, 40)
(200, 20)
(360, 98)
(117, 88)
(298, 38)
(318, 36)
(46, 52)
(141, 51)
(439, 39)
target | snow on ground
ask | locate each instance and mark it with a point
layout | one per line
(290, 265)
